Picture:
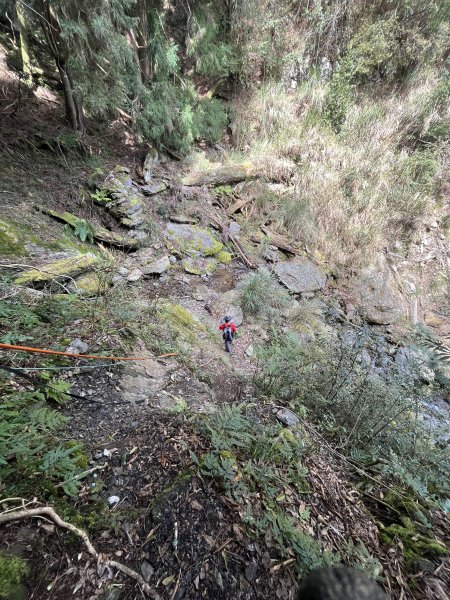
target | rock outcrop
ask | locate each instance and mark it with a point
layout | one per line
(300, 276)
(376, 295)
(123, 198)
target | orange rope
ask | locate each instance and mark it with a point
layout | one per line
(42, 351)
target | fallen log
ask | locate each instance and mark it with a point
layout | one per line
(277, 240)
(223, 175)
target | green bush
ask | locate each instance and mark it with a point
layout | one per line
(372, 417)
(209, 120)
(261, 294)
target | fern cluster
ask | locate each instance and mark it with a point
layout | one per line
(256, 462)
(27, 444)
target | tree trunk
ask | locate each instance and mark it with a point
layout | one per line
(24, 46)
(73, 102)
(223, 175)
(142, 41)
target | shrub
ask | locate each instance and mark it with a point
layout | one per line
(372, 417)
(261, 294)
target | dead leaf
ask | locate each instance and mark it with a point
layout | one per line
(196, 505)
(168, 580)
(238, 532)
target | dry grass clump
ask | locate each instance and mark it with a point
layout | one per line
(359, 190)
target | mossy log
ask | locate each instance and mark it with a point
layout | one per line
(223, 175)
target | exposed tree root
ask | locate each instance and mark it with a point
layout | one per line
(49, 512)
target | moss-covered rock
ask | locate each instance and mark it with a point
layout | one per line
(59, 269)
(199, 266)
(181, 322)
(191, 240)
(224, 257)
(11, 242)
(13, 569)
(415, 544)
(91, 284)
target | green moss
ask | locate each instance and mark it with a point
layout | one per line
(415, 545)
(90, 284)
(192, 240)
(12, 571)
(224, 257)
(63, 267)
(11, 241)
(181, 322)
(81, 458)
(199, 266)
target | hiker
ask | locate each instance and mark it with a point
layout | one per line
(229, 329)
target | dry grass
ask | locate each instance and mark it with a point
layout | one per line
(352, 193)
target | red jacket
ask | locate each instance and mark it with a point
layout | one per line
(225, 325)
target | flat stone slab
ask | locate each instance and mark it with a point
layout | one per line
(60, 269)
(154, 187)
(300, 276)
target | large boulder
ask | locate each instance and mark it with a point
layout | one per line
(191, 240)
(300, 276)
(376, 295)
(228, 304)
(64, 268)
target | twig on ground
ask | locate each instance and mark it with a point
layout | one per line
(50, 512)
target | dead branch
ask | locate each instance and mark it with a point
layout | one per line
(239, 205)
(50, 512)
(228, 237)
(222, 175)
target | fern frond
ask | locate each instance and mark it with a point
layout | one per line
(47, 419)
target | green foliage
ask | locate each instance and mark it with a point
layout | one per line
(209, 120)
(26, 443)
(19, 322)
(370, 416)
(84, 231)
(205, 42)
(100, 197)
(261, 294)
(13, 570)
(369, 52)
(256, 462)
(173, 117)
